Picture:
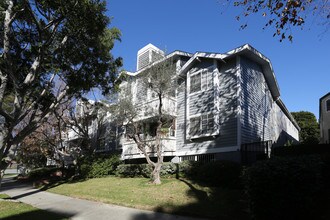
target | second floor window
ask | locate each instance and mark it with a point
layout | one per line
(195, 82)
(201, 80)
(328, 105)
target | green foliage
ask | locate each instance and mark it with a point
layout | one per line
(285, 188)
(47, 42)
(218, 173)
(94, 167)
(33, 154)
(134, 170)
(144, 170)
(310, 132)
(301, 149)
(44, 172)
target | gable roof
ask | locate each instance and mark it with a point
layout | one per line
(245, 50)
(325, 96)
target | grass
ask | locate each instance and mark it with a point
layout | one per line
(172, 196)
(10, 210)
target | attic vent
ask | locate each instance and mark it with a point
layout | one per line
(148, 55)
(143, 60)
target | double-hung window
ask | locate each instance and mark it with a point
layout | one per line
(195, 82)
(202, 125)
(201, 80)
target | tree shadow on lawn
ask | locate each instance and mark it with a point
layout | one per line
(58, 182)
(216, 203)
(39, 215)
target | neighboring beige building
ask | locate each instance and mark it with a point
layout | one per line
(325, 119)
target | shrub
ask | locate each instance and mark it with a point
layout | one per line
(94, 167)
(189, 169)
(285, 188)
(217, 173)
(144, 170)
(220, 174)
(301, 149)
(47, 172)
(133, 170)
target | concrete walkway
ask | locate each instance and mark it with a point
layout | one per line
(78, 209)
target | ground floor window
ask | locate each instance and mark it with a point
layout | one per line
(201, 125)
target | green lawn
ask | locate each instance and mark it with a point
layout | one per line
(172, 196)
(10, 210)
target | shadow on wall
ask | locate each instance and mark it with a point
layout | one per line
(285, 139)
(223, 104)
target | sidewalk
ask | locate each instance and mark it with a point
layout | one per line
(79, 209)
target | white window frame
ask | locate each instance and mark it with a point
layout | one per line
(200, 133)
(203, 86)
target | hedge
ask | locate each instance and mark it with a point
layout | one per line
(99, 166)
(144, 170)
(217, 173)
(49, 172)
(299, 150)
(286, 188)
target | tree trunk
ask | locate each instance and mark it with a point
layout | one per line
(156, 173)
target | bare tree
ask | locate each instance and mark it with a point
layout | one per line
(160, 79)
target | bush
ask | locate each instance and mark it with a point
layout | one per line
(301, 149)
(285, 188)
(220, 174)
(46, 172)
(133, 170)
(94, 167)
(189, 169)
(144, 170)
(217, 173)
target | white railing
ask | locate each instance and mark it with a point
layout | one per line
(150, 108)
(130, 148)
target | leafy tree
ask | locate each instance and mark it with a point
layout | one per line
(33, 151)
(42, 41)
(309, 133)
(282, 15)
(159, 78)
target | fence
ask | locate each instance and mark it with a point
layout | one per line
(252, 152)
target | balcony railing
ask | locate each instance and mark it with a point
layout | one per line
(130, 148)
(150, 108)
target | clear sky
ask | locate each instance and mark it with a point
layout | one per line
(302, 68)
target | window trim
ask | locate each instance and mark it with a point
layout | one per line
(201, 73)
(326, 105)
(200, 133)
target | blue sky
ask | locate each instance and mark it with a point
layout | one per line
(302, 68)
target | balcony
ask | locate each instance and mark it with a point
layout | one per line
(150, 108)
(130, 150)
